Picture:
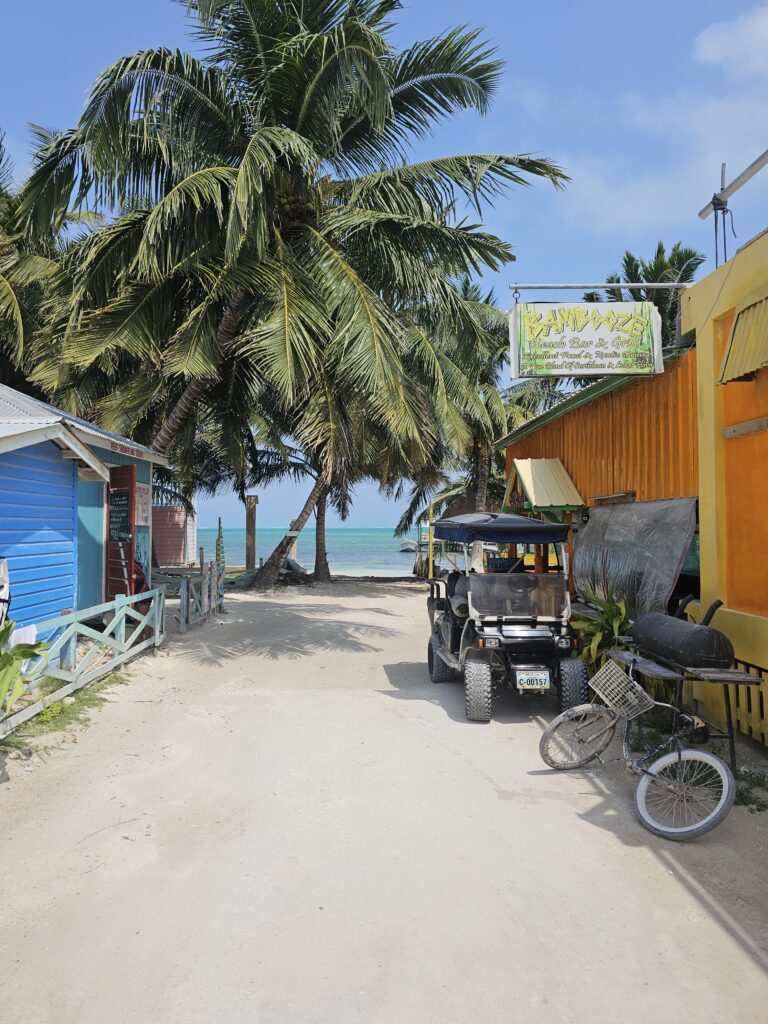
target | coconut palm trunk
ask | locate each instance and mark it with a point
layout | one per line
(482, 469)
(268, 575)
(226, 333)
(483, 475)
(322, 570)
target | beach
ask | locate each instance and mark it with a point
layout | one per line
(279, 818)
(352, 551)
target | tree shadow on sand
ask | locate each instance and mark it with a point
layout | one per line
(280, 631)
(722, 871)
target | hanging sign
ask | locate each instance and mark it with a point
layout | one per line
(585, 339)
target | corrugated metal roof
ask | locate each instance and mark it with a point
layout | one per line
(747, 349)
(20, 412)
(546, 484)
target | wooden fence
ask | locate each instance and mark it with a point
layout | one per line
(80, 652)
(201, 595)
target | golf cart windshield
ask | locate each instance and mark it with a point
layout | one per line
(518, 596)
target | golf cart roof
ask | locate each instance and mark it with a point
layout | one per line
(501, 528)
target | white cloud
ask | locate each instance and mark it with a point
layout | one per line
(739, 46)
(683, 140)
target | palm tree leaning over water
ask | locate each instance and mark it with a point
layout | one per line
(266, 221)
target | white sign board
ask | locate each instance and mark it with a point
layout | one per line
(585, 339)
(143, 505)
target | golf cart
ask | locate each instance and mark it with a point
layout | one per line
(508, 627)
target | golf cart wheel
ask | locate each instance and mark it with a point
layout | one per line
(574, 684)
(439, 672)
(478, 691)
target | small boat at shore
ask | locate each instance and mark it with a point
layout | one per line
(408, 547)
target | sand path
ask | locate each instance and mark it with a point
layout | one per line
(280, 820)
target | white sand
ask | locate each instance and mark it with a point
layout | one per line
(281, 821)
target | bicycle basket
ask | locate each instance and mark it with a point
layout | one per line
(620, 693)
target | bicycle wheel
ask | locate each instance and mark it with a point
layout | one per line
(577, 736)
(684, 798)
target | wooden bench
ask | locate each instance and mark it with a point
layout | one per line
(668, 671)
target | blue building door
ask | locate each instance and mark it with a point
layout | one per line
(91, 505)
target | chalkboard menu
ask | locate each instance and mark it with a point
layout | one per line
(119, 517)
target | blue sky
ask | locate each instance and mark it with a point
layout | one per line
(639, 104)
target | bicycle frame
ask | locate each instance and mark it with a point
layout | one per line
(636, 764)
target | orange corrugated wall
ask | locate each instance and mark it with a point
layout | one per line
(641, 438)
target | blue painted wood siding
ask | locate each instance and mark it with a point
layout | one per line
(38, 531)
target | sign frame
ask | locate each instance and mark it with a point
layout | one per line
(585, 339)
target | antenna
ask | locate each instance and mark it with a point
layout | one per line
(719, 201)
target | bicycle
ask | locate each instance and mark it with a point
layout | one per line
(681, 795)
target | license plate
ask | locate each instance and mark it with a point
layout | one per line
(536, 680)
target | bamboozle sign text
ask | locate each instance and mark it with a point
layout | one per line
(587, 339)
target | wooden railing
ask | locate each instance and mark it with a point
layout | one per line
(80, 652)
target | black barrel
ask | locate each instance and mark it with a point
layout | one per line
(685, 643)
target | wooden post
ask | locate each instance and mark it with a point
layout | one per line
(569, 553)
(430, 544)
(251, 501)
(538, 558)
(184, 605)
(202, 558)
(68, 656)
(293, 550)
(120, 602)
(205, 593)
(159, 620)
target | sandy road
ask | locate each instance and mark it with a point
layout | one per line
(282, 821)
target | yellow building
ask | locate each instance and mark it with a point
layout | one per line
(700, 429)
(728, 309)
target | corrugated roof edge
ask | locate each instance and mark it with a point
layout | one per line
(579, 398)
(34, 407)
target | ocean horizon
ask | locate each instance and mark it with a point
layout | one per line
(352, 551)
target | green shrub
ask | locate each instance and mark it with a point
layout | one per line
(600, 635)
(11, 679)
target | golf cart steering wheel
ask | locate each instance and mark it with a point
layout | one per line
(514, 567)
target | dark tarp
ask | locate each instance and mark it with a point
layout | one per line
(499, 528)
(635, 550)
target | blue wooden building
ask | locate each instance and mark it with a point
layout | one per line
(75, 509)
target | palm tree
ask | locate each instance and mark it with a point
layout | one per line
(268, 221)
(679, 265)
(25, 267)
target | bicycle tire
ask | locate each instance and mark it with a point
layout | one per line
(714, 793)
(561, 749)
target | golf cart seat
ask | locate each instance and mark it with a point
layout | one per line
(459, 600)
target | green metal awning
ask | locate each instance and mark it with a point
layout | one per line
(747, 349)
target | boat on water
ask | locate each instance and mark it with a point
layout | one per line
(408, 547)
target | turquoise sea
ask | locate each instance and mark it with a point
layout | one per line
(351, 552)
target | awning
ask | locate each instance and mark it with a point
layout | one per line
(747, 349)
(545, 485)
(503, 529)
